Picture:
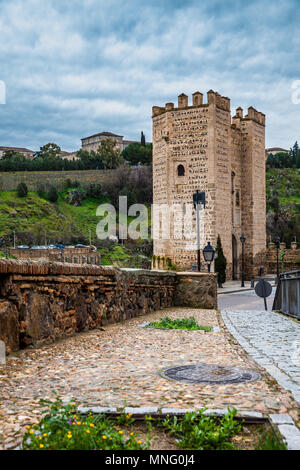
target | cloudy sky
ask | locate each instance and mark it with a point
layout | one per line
(76, 67)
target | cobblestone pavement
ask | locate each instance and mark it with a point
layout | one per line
(272, 340)
(119, 366)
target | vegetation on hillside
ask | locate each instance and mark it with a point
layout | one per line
(283, 204)
(50, 216)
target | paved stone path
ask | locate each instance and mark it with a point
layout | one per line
(272, 340)
(119, 367)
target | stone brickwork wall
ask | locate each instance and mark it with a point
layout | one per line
(199, 147)
(291, 260)
(197, 290)
(87, 255)
(41, 302)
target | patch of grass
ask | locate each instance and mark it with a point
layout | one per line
(269, 440)
(179, 324)
(194, 431)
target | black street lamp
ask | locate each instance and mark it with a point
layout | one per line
(243, 241)
(61, 248)
(277, 245)
(209, 254)
(199, 201)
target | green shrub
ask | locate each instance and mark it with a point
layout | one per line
(94, 190)
(22, 190)
(67, 183)
(199, 432)
(62, 429)
(220, 263)
(41, 190)
(52, 195)
(179, 324)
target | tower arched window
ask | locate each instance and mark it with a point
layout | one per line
(180, 170)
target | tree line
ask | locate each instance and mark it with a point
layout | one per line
(106, 157)
(289, 159)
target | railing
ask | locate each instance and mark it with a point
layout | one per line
(287, 297)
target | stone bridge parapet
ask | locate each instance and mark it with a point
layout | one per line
(41, 302)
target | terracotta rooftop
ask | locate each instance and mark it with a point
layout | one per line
(16, 149)
(276, 149)
(105, 134)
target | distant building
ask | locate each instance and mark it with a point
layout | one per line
(26, 152)
(275, 150)
(94, 141)
(69, 155)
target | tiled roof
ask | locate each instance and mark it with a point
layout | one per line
(105, 134)
(16, 149)
(277, 149)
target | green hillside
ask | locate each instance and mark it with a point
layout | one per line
(38, 221)
(283, 203)
(34, 218)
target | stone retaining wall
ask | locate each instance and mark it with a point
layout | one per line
(196, 290)
(10, 180)
(291, 260)
(41, 302)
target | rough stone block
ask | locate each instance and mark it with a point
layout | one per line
(96, 410)
(291, 435)
(176, 411)
(141, 411)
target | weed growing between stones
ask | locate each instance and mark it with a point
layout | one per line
(179, 324)
(62, 429)
(269, 440)
(195, 431)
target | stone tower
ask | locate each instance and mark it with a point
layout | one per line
(201, 147)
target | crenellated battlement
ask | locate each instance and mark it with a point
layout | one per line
(253, 115)
(213, 98)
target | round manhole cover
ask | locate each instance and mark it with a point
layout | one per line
(209, 374)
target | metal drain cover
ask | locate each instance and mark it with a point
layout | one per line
(209, 374)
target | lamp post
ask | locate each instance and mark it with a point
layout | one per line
(243, 241)
(277, 245)
(199, 201)
(209, 254)
(61, 247)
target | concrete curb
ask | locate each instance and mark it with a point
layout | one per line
(288, 430)
(249, 416)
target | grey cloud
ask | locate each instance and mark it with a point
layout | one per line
(74, 68)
